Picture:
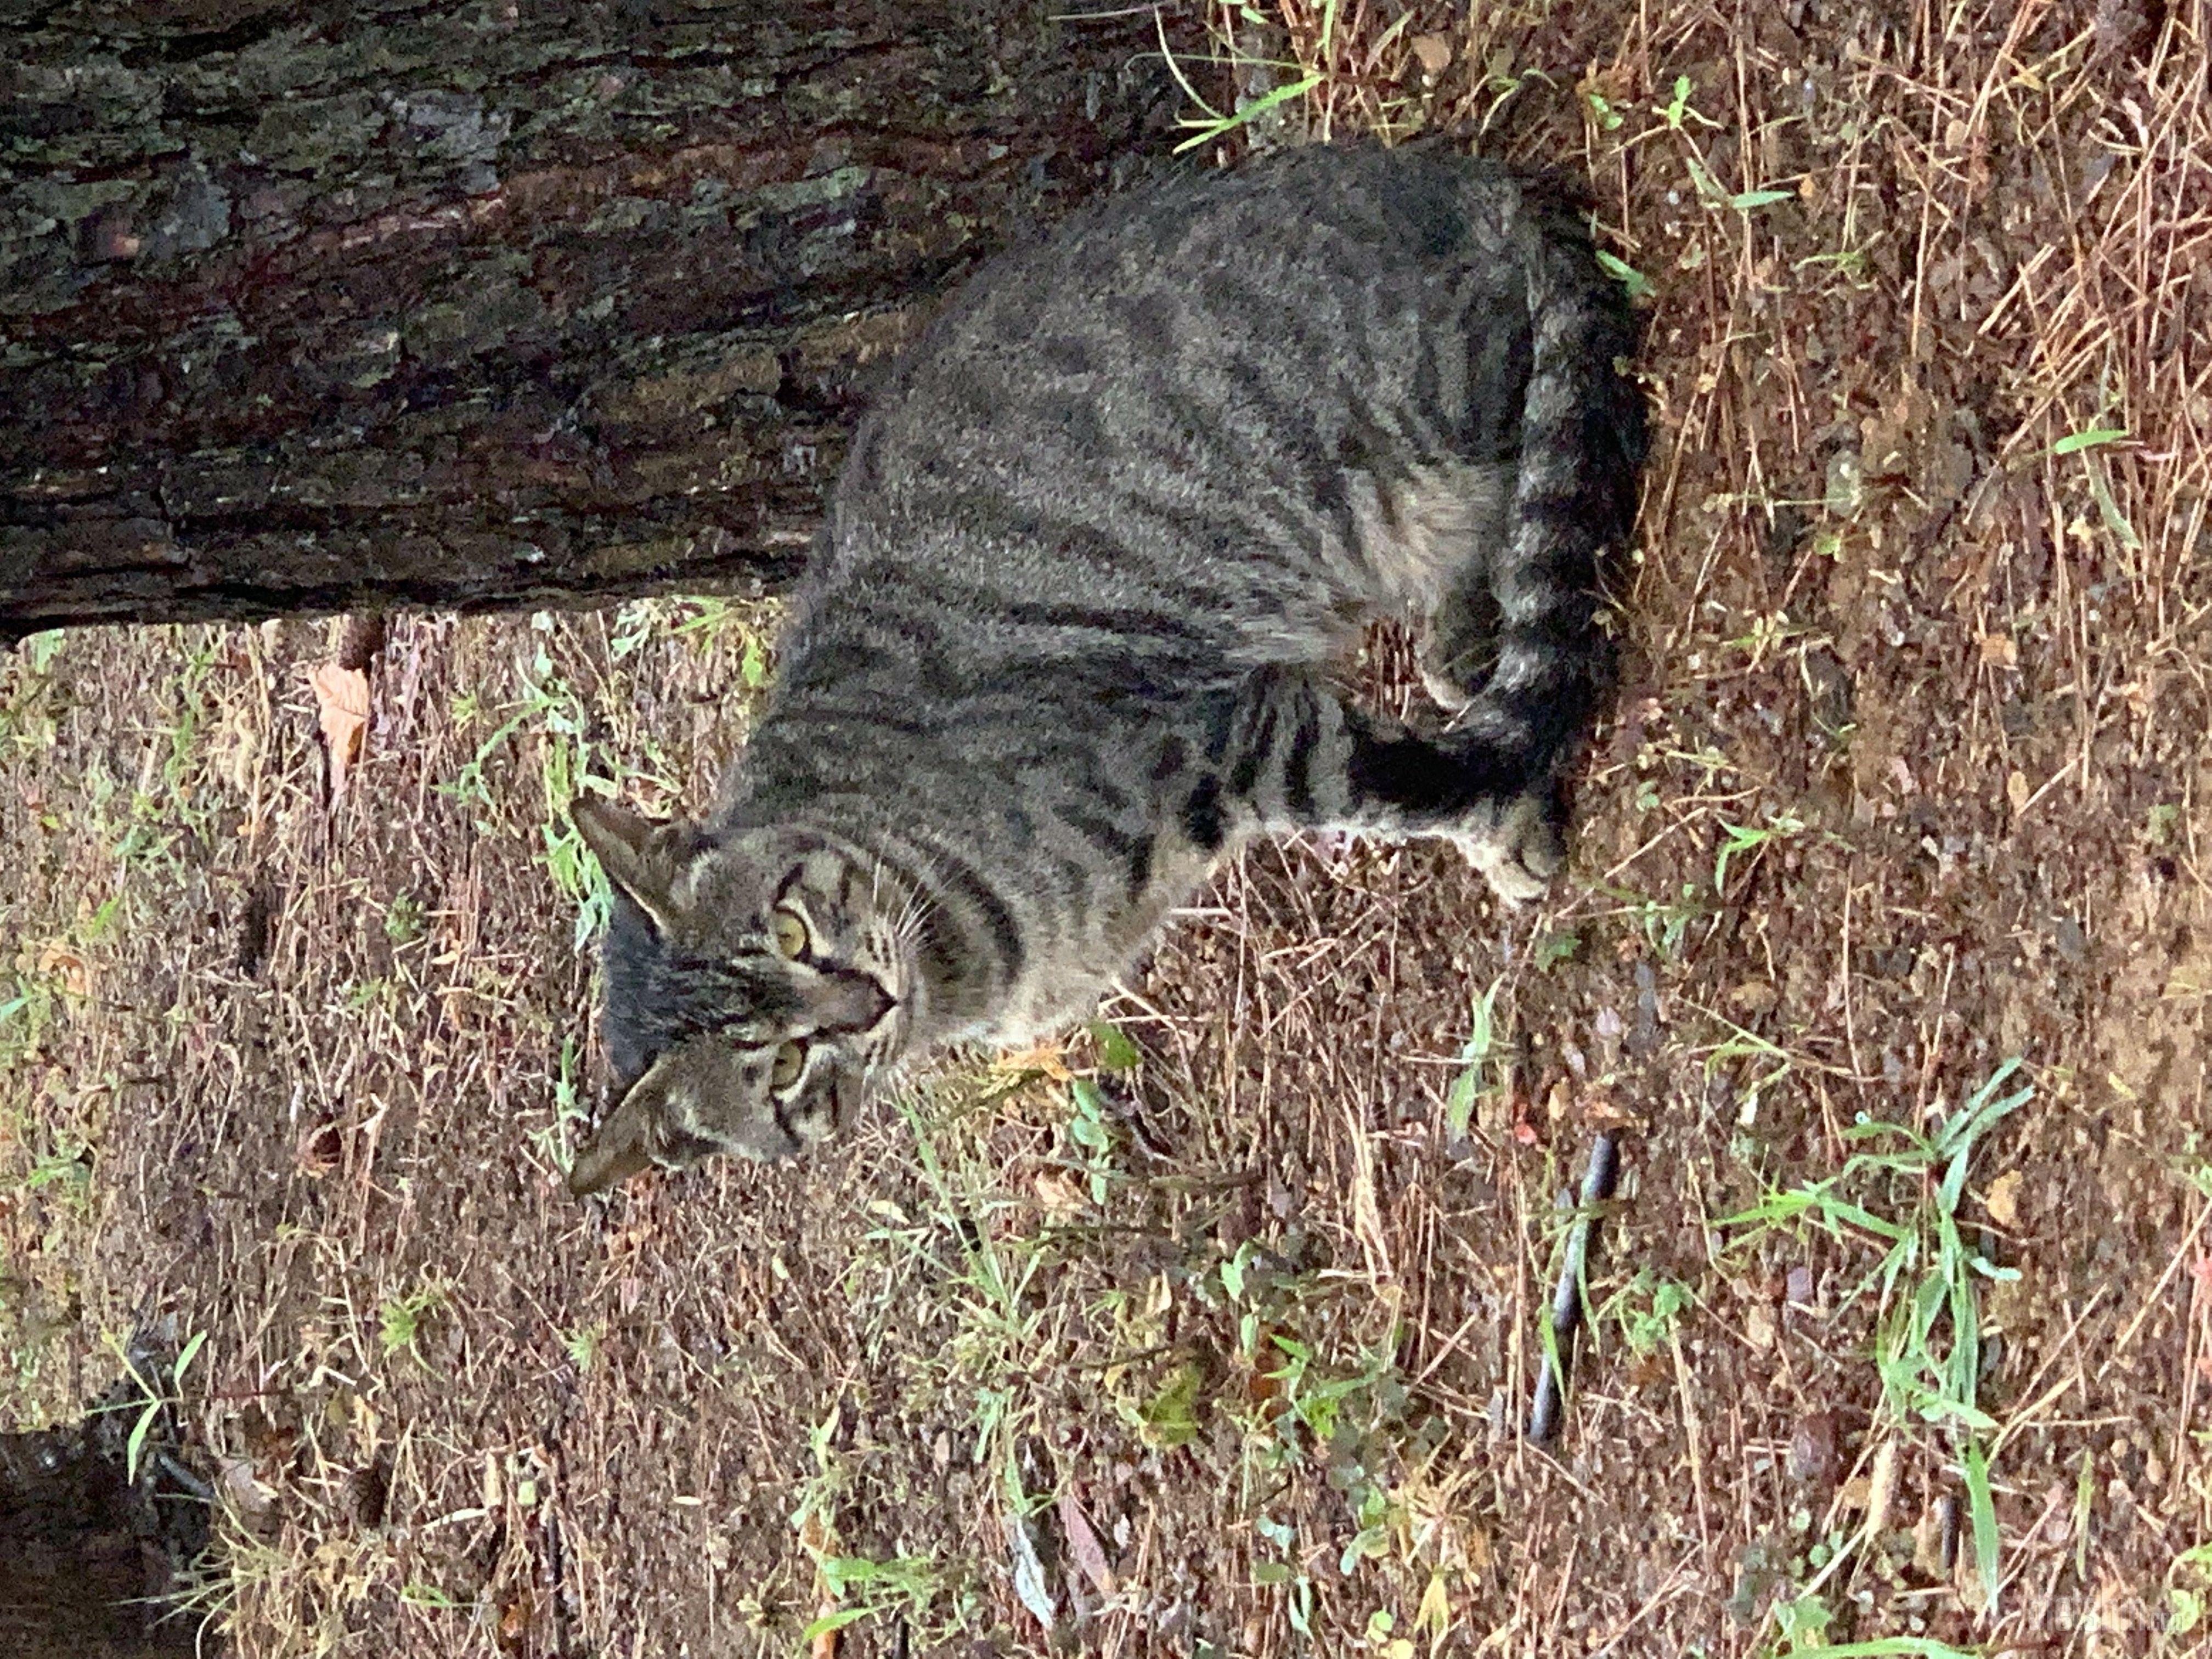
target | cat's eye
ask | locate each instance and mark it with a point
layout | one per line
(790, 1060)
(790, 935)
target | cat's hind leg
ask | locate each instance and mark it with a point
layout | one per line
(1457, 646)
(1295, 755)
(1426, 536)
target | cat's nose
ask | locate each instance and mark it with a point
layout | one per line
(848, 1002)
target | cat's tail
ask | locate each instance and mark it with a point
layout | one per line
(1583, 442)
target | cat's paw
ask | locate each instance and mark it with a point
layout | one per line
(1519, 850)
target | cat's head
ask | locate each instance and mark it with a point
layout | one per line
(757, 985)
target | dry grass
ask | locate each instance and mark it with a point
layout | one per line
(1228, 1349)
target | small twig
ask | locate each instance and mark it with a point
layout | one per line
(184, 1477)
(1598, 1178)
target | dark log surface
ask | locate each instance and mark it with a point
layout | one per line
(87, 1552)
(321, 306)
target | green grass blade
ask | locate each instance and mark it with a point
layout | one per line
(1221, 126)
(1985, 1515)
(136, 1443)
(829, 1622)
(2073, 442)
(1982, 1110)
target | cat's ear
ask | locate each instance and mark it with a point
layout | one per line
(624, 1144)
(641, 857)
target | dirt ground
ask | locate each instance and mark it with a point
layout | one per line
(1224, 1353)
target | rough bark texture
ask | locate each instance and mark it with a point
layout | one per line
(88, 1554)
(316, 307)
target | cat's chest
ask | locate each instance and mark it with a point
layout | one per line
(1080, 951)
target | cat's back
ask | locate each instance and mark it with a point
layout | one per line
(1124, 336)
(1152, 413)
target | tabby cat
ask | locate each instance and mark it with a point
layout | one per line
(1065, 640)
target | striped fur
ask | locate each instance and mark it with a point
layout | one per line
(1065, 640)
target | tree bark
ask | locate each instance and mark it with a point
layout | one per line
(315, 305)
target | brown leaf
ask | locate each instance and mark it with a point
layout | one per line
(1057, 1193)
(1557, 1099)
(1083, 1544)
(1049, 1057)
(1756, 995)
(2004, 1200)
(57, 961)
(342, 701)
(1434, 51)
(1998, 651)
(2017, 791)
(1602, 1110)
(248, 1494)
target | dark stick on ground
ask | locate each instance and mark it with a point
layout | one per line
(1598, 1178)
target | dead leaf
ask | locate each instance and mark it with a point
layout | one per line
(1057, 1193)
(1366, 1212)
(342, 701)
(2017, 791)
(1998, 651)
(1434, 53)
(57, 960)
(1047, 1057)
(1602, 1110)
(1755, 995)
(1882, 1487)
(1083, 1544)
(2003, 1200)
(247, 1492)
